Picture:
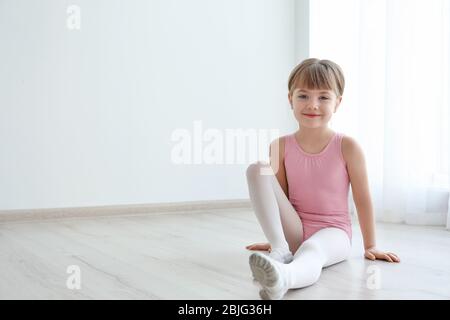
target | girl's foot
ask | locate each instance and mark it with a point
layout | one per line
(279, 254)
(269, 273)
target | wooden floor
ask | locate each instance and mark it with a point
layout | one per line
(201, 255)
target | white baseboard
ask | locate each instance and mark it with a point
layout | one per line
(120, 210)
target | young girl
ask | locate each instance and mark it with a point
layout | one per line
(303, 212)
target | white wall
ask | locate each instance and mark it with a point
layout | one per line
(86, 116)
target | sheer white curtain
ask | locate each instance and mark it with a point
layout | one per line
(395, 55)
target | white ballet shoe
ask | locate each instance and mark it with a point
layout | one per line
(269, 274)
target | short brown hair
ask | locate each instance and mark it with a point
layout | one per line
(317, 74)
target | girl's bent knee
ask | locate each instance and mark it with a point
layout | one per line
(254, 169)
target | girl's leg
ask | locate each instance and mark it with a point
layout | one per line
(278, 219)
(324, 248)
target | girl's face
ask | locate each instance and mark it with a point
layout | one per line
(314, 108)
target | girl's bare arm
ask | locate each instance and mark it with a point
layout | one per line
(356, 167)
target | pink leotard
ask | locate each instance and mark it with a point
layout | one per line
(318, 186)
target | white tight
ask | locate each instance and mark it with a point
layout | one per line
(283, 229)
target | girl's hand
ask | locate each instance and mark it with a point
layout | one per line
(259, 246)
(373, 253)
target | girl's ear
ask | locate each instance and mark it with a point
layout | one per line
(338, 102)
(290, 100)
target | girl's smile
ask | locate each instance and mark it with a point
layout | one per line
(311, 115)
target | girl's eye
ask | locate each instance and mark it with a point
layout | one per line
(304, 97)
